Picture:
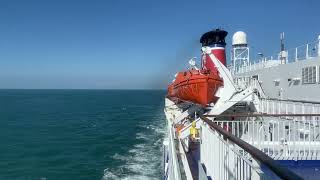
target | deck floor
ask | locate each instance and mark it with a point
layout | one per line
(193, 156)
(307, 169)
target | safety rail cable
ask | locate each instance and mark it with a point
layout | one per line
(279, 170)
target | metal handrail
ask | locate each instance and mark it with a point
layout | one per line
(279, 170)
(291, 100)
(306, 51)
(261, 115)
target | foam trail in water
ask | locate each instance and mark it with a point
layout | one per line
(143, 161)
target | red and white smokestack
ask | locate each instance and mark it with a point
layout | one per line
(215, 40)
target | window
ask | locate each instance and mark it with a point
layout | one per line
(309, 75)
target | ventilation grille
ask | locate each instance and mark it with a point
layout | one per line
(309, 75)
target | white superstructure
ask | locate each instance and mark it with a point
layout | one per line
(268, 114)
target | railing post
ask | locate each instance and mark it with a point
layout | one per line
(221, 150)
(307, 51)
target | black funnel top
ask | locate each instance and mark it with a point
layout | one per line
(214, 37)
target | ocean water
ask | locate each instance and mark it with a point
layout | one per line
(81, 134)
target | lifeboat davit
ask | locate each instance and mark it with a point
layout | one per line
(200, 85)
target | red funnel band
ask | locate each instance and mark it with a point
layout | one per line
(219, 53)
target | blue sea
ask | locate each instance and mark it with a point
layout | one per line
(81, 134)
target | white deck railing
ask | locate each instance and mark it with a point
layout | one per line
(223, 160)
(173, 164)
(277, 106)
(225, 156)
(303, 52)
(282, 138)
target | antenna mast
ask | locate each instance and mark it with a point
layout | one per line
(282, 41)
(283, 53)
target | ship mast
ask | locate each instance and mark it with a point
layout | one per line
(283, 53)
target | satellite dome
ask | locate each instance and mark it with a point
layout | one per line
(239, 38)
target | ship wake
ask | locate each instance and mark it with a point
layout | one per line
(143, 160)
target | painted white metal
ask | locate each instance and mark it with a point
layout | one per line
(186, 113)
(228, 88)
(280, 138)
(240, 51)
(175, 115)
(245, 95)
(174, 169)
(229, 94)
(174, 112)
(287, 107)
(303, 52)
(224, 160)
(239, 38)
(255, 84)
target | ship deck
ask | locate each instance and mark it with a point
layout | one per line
(193, 156)
(308, 169)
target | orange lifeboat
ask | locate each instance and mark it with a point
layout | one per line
(198, 86)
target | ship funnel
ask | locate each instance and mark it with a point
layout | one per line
(215, 40)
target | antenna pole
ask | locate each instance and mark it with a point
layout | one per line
(282, 54)
(282, 41)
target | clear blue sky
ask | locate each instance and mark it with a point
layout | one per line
(132, 44)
